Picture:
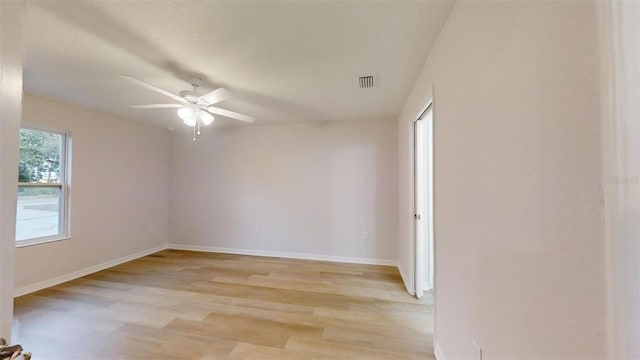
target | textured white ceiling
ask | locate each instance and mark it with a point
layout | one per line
(285, 61)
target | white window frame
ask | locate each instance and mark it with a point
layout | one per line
(64, 221)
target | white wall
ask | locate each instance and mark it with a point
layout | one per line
(120, 186)
(519, 220)
(620, 39)
(311, 188)
(11, 18)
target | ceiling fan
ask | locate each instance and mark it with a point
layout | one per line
(194, 109)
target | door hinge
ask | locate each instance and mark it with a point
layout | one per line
(416, 216)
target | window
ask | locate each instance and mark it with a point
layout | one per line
(43, 186)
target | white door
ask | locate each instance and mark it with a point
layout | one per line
(423, 201)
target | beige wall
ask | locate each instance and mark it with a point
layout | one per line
(518, 181)
(311, 188)
(120, 186)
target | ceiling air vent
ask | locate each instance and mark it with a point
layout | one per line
(366, 81)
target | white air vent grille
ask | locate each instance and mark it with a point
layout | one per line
(366, 81)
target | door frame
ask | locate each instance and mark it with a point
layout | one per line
(426, 209)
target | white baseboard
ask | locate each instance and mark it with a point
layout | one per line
(437, 351)
(105, 265)
(405, 279)
(289, 255)
(83, 272)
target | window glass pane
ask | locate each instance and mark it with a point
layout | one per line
(38, 213)
(40, 155)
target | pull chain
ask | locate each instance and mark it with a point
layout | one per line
(196, 129)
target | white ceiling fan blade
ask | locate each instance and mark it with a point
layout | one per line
(216, 96)
(156, 106)
(154, 88)
(231, 114)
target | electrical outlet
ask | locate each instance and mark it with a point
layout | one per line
(477, 350)
(258, 230)
(365, 236)
(150, 229)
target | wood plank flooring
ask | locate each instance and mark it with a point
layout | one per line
(190, 305)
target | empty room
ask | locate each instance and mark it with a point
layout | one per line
(319, 179)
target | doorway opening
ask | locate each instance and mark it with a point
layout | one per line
(423, 201)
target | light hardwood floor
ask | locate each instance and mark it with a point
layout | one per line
(191, 305)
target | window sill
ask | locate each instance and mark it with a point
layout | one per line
(38, 241)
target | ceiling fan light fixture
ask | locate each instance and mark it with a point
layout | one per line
(205, 117)
(188, 115)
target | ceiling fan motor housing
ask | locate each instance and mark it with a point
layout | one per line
(190, 95)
